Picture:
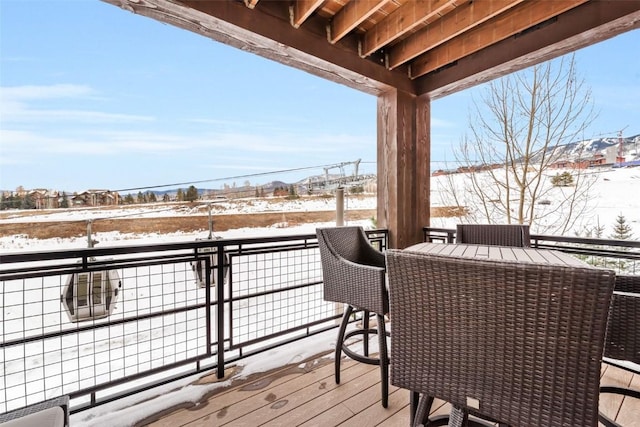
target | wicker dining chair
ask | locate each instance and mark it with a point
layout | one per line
(622, 343)
(354, 274)
(494, 234)
(516, 343)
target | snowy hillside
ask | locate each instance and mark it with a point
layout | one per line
(608, 147)
(614, 192)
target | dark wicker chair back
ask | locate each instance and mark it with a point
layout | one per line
(623, 329)
(494, 234)
(353, 270)
(623, 334)
(520, 343)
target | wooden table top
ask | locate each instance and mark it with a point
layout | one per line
(538, 256)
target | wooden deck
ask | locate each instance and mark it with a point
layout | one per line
(306, 395)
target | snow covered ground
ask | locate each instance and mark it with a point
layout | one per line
(615, 192)
(18, 243)
(227, 207)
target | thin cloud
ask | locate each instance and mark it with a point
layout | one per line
(114, 142)
(27, 92)
(22, 144)
(22, 115)
(16, 106)
(281, 143)
(244, 166)
(272, 124)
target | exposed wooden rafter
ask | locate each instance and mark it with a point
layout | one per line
(302, 9)
(405, 19)
(352, 15)
(517, 19)
(462, 19)
(577, 28)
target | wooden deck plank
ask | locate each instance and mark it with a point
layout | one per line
(282, 399)
(610, 404)
(363, 401)
(399, 419)
(310, 397)
(629, 414)
(329, 418)
(225, 399)
(375, 413)
(278, 400)
(440, 407)
(238, 403)
(350, 386)
(368, 397)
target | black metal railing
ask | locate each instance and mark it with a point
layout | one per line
(620, 255)
(180, 309)
(99, 324)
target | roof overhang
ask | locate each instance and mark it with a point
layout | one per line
(420, 47)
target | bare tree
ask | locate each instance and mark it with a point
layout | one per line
(516, 129)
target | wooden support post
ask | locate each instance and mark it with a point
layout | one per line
(339, 206)
(404, 149)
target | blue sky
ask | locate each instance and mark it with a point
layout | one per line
(93, 96)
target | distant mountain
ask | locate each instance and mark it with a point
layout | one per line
(608, 147)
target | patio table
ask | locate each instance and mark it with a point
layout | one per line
(540, 256)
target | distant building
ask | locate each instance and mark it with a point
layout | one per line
(44, 199)
(52, 199)
(597, 160)
(95, 198)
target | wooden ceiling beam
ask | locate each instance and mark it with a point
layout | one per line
(455, 23)
(583, 26)
(302, 9)
(514, 21)
(271, 36)
(403, 20)
(352, 15)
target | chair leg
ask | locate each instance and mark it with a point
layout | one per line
(384, 360)
(340, 341)
(458, 417)
(420, 413)
(365, 327)
(414, 398)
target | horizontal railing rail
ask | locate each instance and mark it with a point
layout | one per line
(99, 324)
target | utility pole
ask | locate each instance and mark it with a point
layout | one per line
(620, 158)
